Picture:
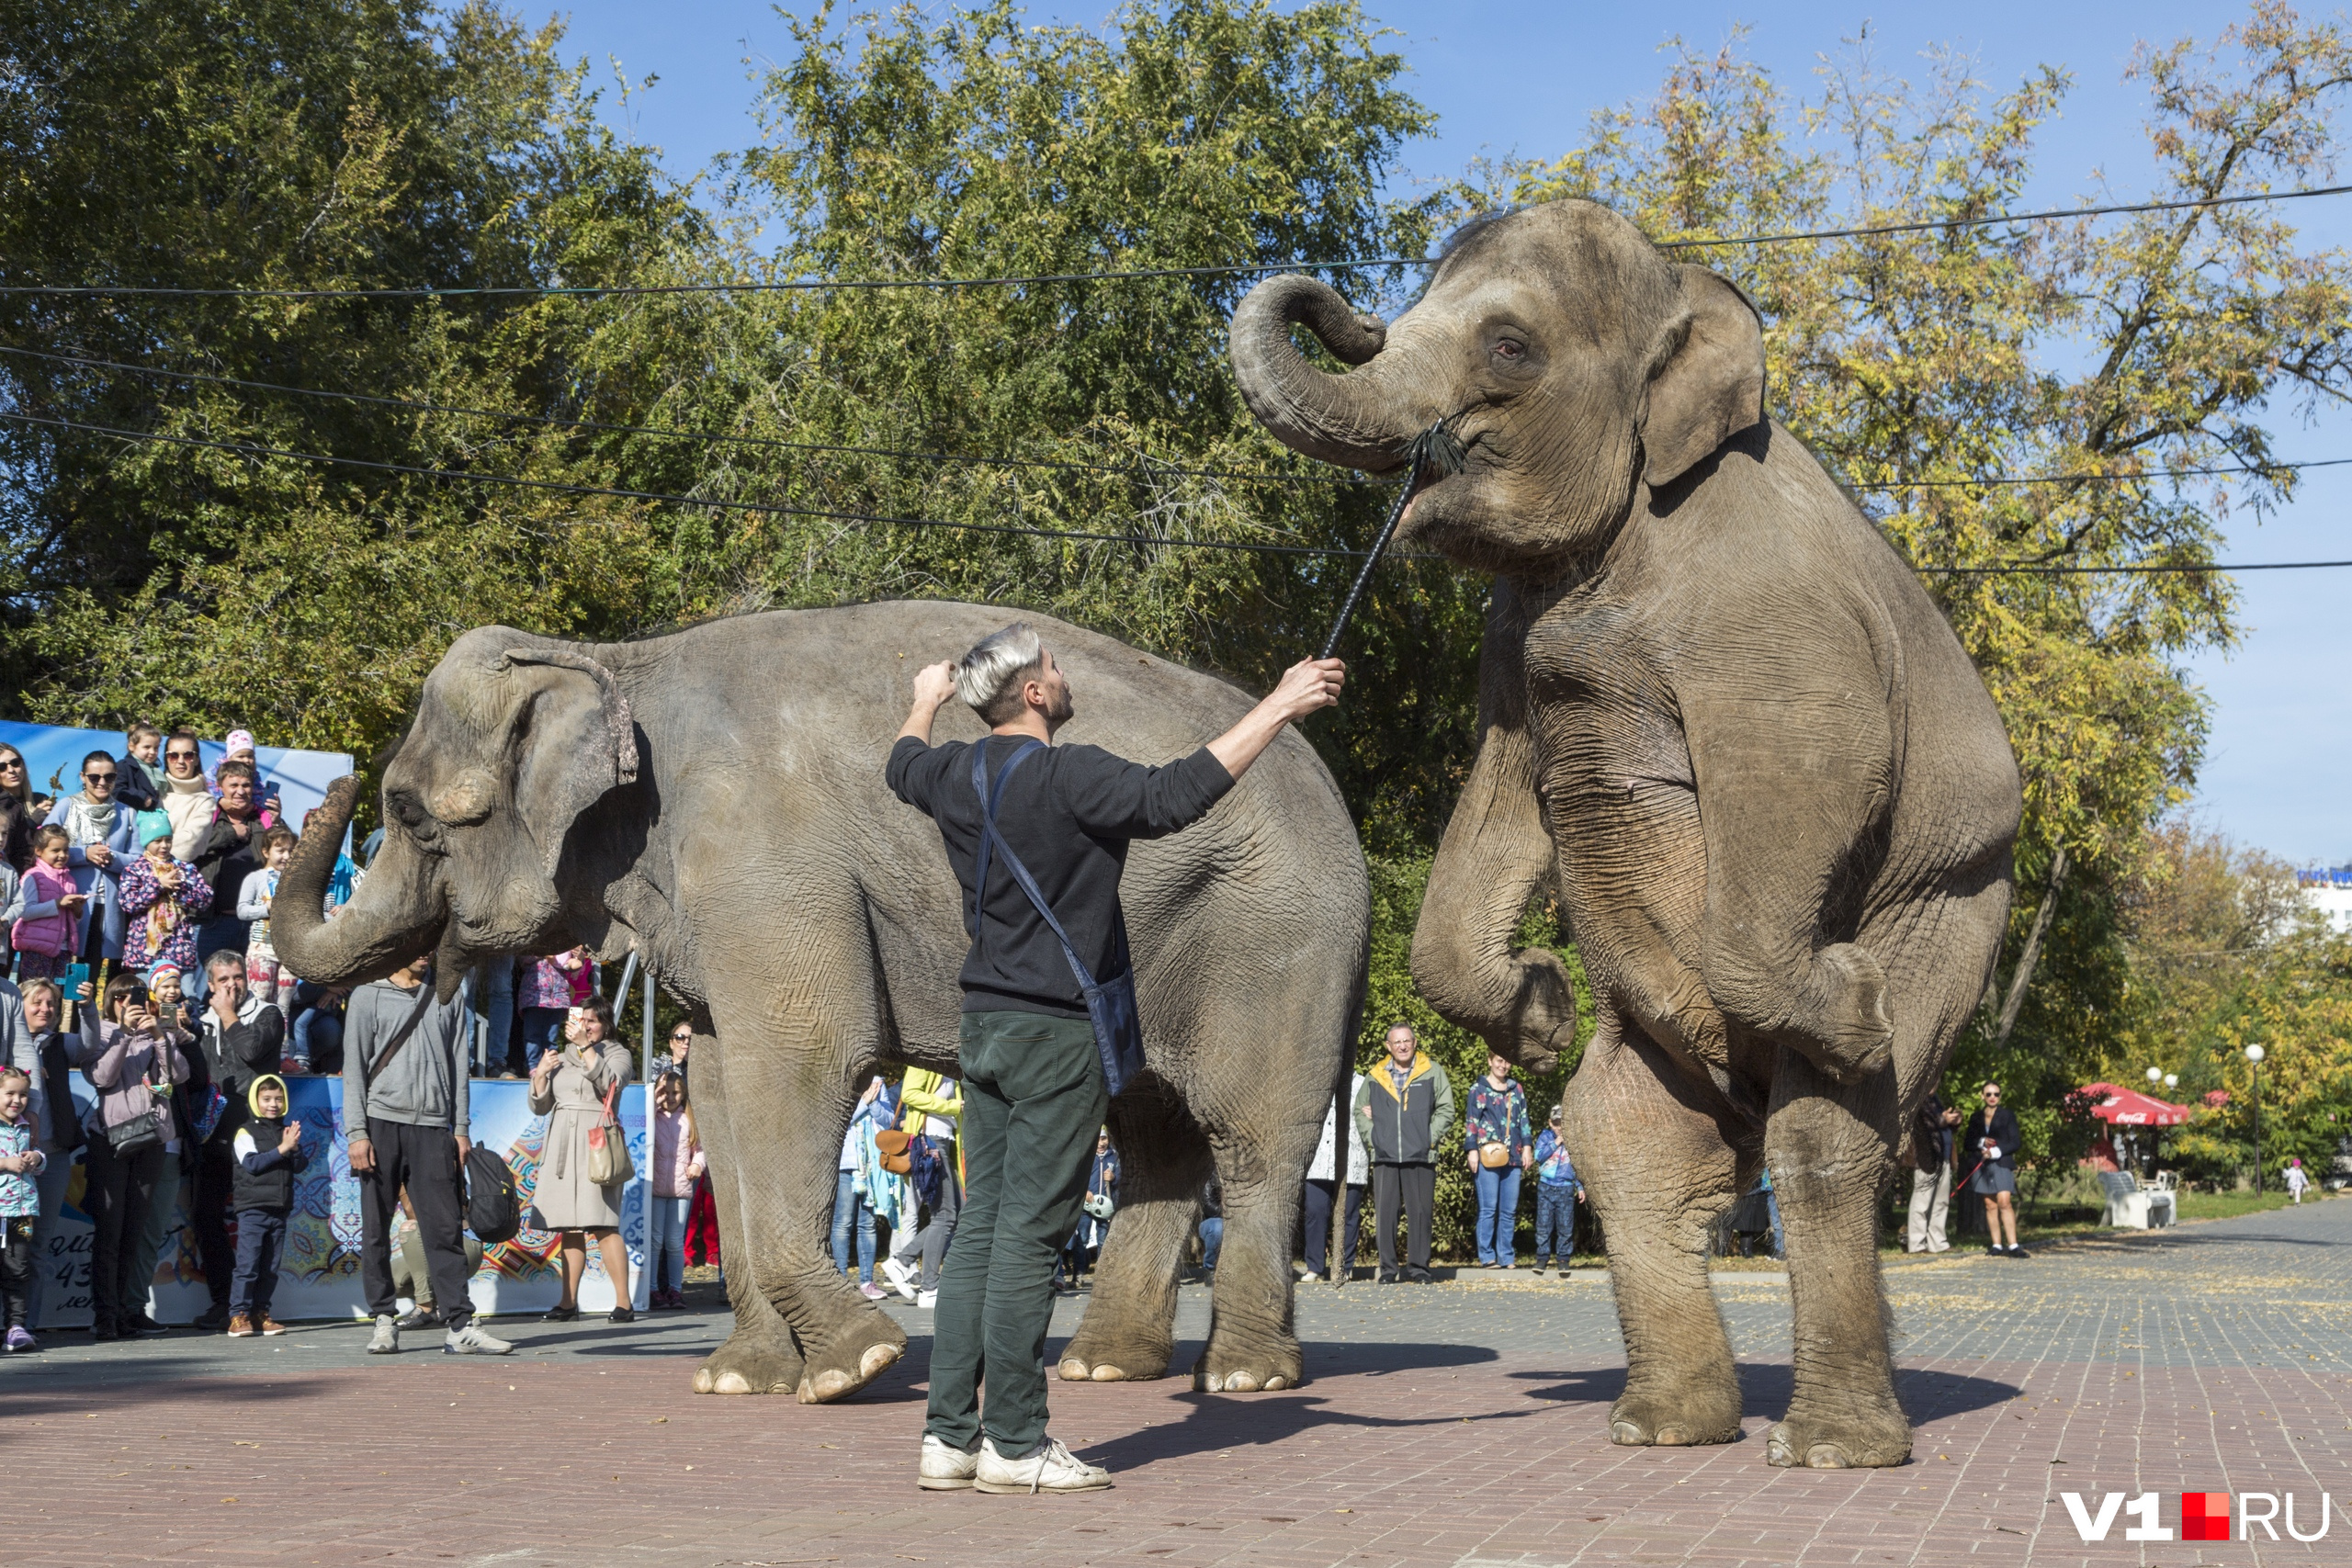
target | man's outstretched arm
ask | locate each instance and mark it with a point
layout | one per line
(1307, 686)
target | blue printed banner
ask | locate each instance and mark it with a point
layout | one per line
(319, 1275)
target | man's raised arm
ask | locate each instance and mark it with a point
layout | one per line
(1309, 684)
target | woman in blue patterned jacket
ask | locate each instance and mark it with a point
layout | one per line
(1501, 1147)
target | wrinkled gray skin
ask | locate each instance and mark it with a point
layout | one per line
(715, 799)
(1721, 715)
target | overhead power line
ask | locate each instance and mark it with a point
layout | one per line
(1132, 469)
(773, 508)
(1240, 269)
(1141, 465)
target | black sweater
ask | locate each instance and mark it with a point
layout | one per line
(1068, 812)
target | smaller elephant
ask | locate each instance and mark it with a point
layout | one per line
(1723, 719)
(714, 799)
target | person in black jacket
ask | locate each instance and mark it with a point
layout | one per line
(268, 1152)
(227, 853)
(1034, 1092)
(1990, 1143)
(1931, 1173)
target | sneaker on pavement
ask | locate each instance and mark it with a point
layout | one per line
(386, 1340)
(926, 1300)
(872, 1291)
(471, 1341)
(2019, 1252)
(902, 1279)
(418, 1317)
(270, 1325)
(945, 1467)
(241, 1327)
(1049, 1468)
(211, 1320)
(19, 1340)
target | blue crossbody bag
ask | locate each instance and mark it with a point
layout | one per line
(1110, 1001)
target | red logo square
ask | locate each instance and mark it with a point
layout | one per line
(2204, 1515)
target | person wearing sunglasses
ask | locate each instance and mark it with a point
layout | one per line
(16, 819)
(187, 800)
(100, 829)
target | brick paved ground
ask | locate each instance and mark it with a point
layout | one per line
(1460, 1425)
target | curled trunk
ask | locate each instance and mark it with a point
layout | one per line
(396, 914)
(1348, 420)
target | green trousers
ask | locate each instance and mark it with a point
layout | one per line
(1032, 1101)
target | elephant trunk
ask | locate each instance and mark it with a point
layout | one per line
(396, 915)
(1349, 420)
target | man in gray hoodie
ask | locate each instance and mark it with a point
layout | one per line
(406, 1124)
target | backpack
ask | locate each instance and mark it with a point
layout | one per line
(494, 1210)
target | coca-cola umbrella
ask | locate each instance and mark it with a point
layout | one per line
(2121, 1107)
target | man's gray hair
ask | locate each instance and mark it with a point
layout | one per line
(989, 677)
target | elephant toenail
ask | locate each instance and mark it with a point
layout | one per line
(1072, 1371)
(1277, 1380)
(876, 1357)
(1240, 1383)
(1670, 1437)
(1627, 1433)
(702, 1380)
(1826, 1456)
(1108, 1373)
(731, 1383)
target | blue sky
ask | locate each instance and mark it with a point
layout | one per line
(1522, 77)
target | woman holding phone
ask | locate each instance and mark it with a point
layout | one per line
(132, 1060)
(568, 1086)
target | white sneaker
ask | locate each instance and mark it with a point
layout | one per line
(902, 1279)
(945, 1469)
(386, 1340)
(1052, 1468)
(471, 1341)
(927, 1300)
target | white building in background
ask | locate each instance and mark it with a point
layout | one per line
(2328, 889)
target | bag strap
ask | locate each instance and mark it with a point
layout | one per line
(399, 1036)
(988, 802)
(1012, 862)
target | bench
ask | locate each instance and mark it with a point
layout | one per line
(2131, 1206)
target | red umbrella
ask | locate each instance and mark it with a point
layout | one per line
(2123, 1106)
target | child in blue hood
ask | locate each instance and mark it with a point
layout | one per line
(268, 1154)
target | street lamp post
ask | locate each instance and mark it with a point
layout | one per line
(2254, 1055)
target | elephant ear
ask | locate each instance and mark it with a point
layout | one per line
(577, 742)
(1706, 377)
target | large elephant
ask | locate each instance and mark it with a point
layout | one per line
(714, 799)
(1723, 715)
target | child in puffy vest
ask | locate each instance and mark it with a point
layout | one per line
(45, 943)
(268, 1154)
(20, 1159)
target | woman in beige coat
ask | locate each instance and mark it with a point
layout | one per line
(568, 1086)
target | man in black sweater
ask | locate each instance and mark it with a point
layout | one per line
(1034, 1090)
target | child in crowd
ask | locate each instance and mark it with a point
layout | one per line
(268, 1154)
(47, 935)
(20, 1160)
(551, 988)
(1556, 1192)
(140, 781)
(263, 978)
(162, 901)
(677, 1162)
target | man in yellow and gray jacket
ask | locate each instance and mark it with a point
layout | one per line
(939, 1099)
(1404, 1114)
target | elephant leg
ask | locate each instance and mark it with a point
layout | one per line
(760, 1356)
(1831, 1149)
(1129, 1329)
(1661, 1168)
(797, 1081)
(1252, 1344)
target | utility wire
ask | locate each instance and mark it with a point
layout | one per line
(1144, 465)
(560, 487)
(1245, 269)
(770, 508)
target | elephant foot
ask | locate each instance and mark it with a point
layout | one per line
(1851, 1035)
(749, 1363)
(1848, 1440)
(1230, 1367)
(1102, 1357)
(1652, 1420)
(857, 1355)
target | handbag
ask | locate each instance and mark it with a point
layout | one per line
(137, 1136)
(895, 1144)
(1494, 1156)
(1109, 1001)
(608, 1161)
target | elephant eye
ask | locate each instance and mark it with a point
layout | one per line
(410, 810)
(1509, 348)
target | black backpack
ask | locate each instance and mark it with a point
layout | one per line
(494, 1209)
